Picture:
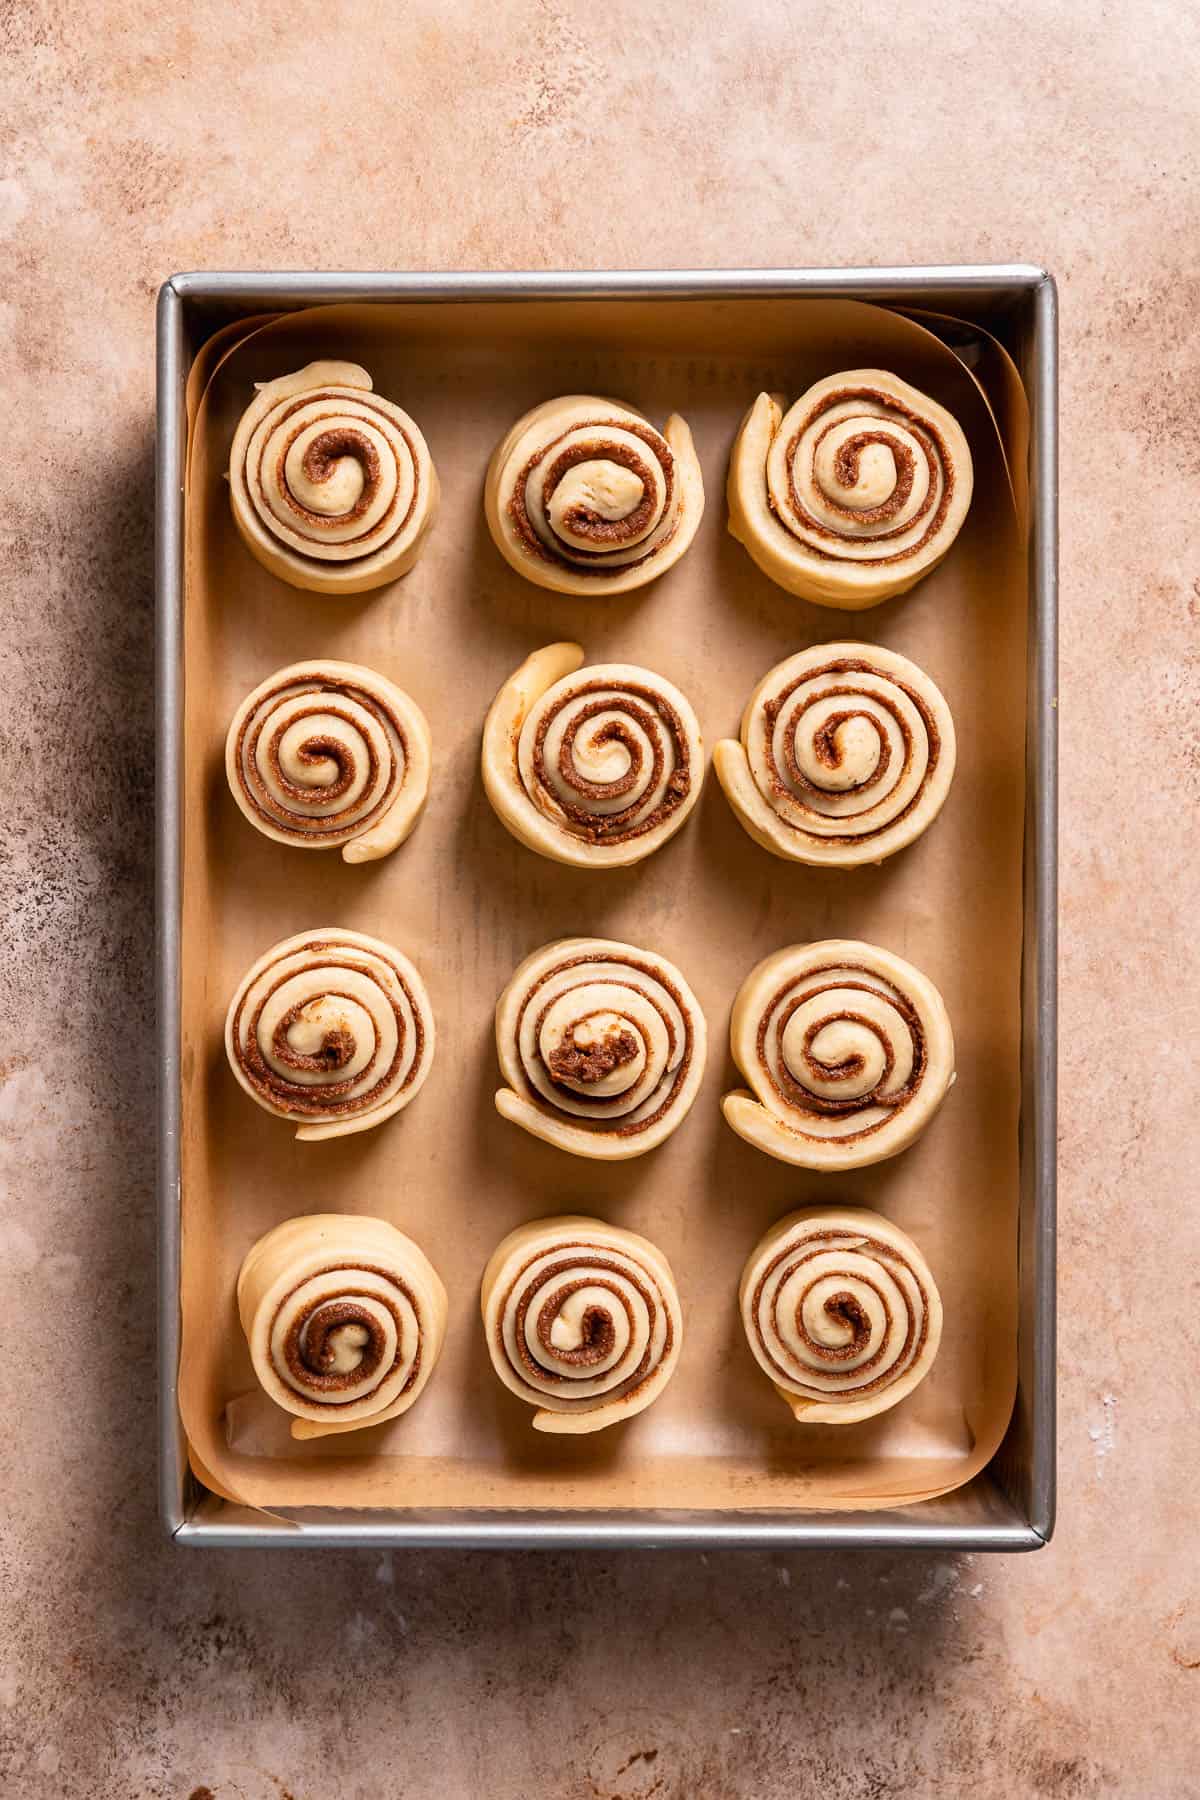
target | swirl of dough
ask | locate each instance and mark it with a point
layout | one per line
(602, 1046)
(852, 494)
(849, 1052)
(332, 486)
(331, 1028)
(841, 1313)
(328, 754)
(846, 755)
(595, 767)
(344, 1317)
(584, 496)
(582, 1320)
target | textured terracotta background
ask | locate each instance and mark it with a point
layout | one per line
(138, 140)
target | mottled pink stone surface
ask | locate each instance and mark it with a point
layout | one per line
(138, 140)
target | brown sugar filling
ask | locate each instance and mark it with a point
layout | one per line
(574, 1062)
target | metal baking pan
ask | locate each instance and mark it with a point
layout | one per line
(1010, 1505)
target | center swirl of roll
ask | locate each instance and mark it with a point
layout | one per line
(346, 1333)
(861, 477)
(841, 1311)
(601, 1053)
(843, 752)
(579, 1325)
(325, 1039)
(333, 473)
(321, 1036)
(324, 1030)
(320, 757)
(597, 501)
(320, 760)
(845, 1045)
(342, 1337)
(598, 495)
(314, 766)
(837, 1315)
(835, 747)
(585, 1320)
(607, 761)
(842, 1047)
(866, 478)
(602, 1041)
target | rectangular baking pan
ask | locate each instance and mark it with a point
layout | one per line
(1010, 1505)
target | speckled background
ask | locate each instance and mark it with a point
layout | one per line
(141, 140)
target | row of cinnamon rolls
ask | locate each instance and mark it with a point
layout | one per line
(345, 1318)
(846, 754)
(846, 1049)
(846, 497)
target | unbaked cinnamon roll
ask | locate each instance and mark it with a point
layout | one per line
(332, 1029)
(846, 755)
(841, 1313)
(584, 496)
(582, 1321)
(602, 1046)
(852, 494)
(333, 487)
(329, 755)
(848, 1050)
(344, 1317)
(596, 767)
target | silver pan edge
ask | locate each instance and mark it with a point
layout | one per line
(1010, 1506)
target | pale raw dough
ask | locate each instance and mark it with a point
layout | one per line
(344, 1317)
(577, 762)
(333, 487)
(852, 494)
(582, 1321)
(849, 1052)
(329, 754)
(332, 1029)
(846, 754)
(841, 1313)
(585, 496)
(602, 1046)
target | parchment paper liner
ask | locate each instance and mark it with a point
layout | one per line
(467, 902)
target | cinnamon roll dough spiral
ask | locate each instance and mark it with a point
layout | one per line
(602, 1046)
(841, 1313)
(332, 1029)
(584, 496)
(595, 767)
(846, 755)
(328, 755)
(582, 1321)
(849, 1052)
(344, 1317)
(852, 494)
(333, 487)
